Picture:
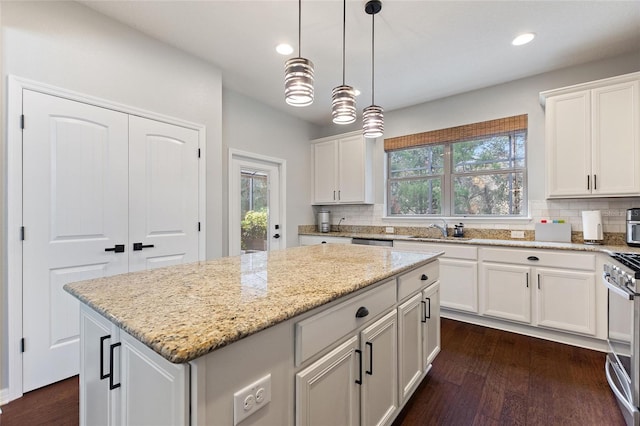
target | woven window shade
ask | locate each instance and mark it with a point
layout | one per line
(459, 133)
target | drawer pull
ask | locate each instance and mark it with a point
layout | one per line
(362, 312)
(533, 258)
(424, 277)
(359, 352)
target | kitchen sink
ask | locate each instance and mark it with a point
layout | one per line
(418, 237)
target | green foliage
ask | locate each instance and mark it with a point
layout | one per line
(254, 225)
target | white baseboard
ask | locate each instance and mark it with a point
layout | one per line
(4, 397)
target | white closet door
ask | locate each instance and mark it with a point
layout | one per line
(163, 194)
(75, 207)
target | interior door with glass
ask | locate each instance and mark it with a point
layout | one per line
(255, 223)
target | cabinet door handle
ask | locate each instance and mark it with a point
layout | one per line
(140, 246)
(359, 352)
(424, 311)
(533, 258)
(527, 280)
(595, 182)
(588, 182)
(118, 248)
(112, 347)
(370, 370)
(102, 339)
(362, 312)
(334, 195)
(424, 277)
(538, 281)
(428, 316)
(338, 195)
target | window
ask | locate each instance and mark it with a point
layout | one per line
(480, 175)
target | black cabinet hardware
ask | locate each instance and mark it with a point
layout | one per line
(370, 370)
(276, 236)
(140, 246)
(362, 312)
(424, 277)
(428, 315)
(102, 339)
(538, 281)
(527, 280)
(533, 258)
(588, 185)
(359, 352)
(424, 311)
(112, 347)
(595, 182)
(324, 242)
(118, 248)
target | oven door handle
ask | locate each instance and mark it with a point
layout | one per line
(619, 396)
(620, 291)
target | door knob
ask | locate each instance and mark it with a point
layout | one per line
(118, 248)
(139, 246)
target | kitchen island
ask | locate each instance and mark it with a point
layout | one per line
(217, 341)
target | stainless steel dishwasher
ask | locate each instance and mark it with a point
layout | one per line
(372, 242)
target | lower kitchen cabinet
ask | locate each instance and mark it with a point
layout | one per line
(505, 292)
(547, 289)
(355, 383)
(124, 382)
(418, 337)
(311, 240)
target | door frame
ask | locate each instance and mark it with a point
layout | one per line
(234, 205)
(13, 277)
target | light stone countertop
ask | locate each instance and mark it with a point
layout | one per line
(486, 242)
(186, 311)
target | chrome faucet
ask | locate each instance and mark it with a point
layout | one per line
(441, 228)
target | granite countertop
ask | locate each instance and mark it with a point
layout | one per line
(486, 242)
(186, 311)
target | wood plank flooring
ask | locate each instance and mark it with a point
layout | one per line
(481, 377)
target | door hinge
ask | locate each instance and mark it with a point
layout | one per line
(198, 152)
(22, 345)
(198, 226)
(22, 233)
(22, 121)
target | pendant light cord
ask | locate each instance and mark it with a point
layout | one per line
(344, 33)
(299, 28)
(373, 34)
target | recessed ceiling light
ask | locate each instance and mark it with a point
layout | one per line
(284, 49)
(523, 39)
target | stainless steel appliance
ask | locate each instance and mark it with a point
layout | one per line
(622, 365)
(323, 221)
(633, 227)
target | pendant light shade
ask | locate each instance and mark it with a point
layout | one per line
(343, 98)
(372, 116)
(298, 74)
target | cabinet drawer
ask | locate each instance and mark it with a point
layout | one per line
(413, 281)
(321, 330)
(549, 258)
(310, 240)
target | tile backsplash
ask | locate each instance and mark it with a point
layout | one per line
(613, 215)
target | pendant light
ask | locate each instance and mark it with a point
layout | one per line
(343, 97)
(298, 74)
(372, 116)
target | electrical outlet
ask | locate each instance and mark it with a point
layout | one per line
(517, 234)
(389, 230)
(250, 399)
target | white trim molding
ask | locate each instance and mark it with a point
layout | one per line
(14, 301)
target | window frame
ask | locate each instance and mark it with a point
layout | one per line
(448, 177)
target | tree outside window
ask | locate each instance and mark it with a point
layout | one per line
(254, 210)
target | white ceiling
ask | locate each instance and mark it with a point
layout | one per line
(425, 50)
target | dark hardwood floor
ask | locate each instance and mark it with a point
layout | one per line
(481, 377)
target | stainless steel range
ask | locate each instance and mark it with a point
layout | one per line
(622, 366)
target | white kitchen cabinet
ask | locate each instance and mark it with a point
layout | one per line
(505, 292)
(431, 324)
(122, 381)
(558, 286)
(566, 300)
(343, 170)
(311, 240)
(410, 358)
(458, 272)
(354, 383)
(592, 139)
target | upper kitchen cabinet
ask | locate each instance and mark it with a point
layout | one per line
(592, 139)
(343, 170)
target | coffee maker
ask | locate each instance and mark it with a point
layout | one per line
(323, 221)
